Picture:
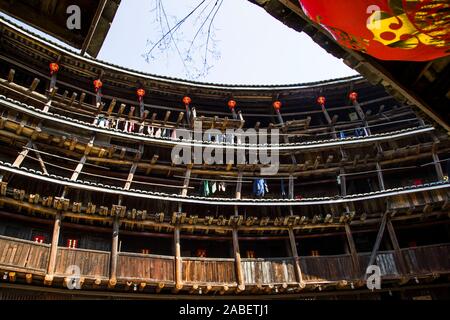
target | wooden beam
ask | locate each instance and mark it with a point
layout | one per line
(114, 252)
(178, 262)
(54, 246)
(373, 255)
(298, 271)
(380, 177)
(237, 261)
(353, 252)
(398, 252)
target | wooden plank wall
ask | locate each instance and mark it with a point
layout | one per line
(427, 260)
(266, 271)
(327, 268)
(386, 260)
(23, 254)
(145, 267)
(220, 271)
(91, 263)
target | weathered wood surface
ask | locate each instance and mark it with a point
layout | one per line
(91, 263)
(23, 254)
(428, 259)
(327, 268)
(386, 260)
(203, 270)
(267, 271)
(145, 267)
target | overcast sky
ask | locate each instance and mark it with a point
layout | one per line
(254, 47)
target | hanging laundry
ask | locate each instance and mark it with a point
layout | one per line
(283, 189)
(174, 134)
(361, 132)
(205, 191)
(158, 133)
(213, 187)
(260, 187)
(342, 135)
(150, 131)
(222, 187)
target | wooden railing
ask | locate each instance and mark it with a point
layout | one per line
(92, 263)
(386, 260)
(428, 259)
(327, 268)
(28, 255)
(267, 271)
(208, 270)
(132, 266)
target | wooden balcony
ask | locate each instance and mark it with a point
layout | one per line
(92, 264)
(26, 257)
(23, 255)
(268, 271)
(325, 269)
(208, 271)
(145, 267)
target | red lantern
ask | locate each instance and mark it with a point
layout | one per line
(140, 93)
(54, 68)
(231, 104)
(321, 101)
(187, 100)
(353, 96)
(98, 84)
(277, 105)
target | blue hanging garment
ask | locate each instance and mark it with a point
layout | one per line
(260, 187)
(342, 135)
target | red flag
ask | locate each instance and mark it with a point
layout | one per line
(411, 30)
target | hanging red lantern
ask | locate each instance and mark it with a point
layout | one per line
(321, 101)
(140, 93)
(231, 104)
(54, 68)
(353, 96)
(187, 100)
(277, 105)
(98, 84)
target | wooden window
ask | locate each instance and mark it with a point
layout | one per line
(72, 243)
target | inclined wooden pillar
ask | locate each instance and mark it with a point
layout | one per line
(53, 249)
(178, 262)
(398, 252)
(114, 253)
(380, 177)
(298, 271)
(438, 166)
(343, 183)
(373, 255)
(237, 259)
(353, 252)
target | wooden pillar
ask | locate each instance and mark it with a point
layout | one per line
(343, 183)
(380, 177)
(438, 166)
(373, 255)
(114, 252)
(237, 259)
(353, 252)
(178, 262)
(53, 248)
(298, 271)
(396, 246)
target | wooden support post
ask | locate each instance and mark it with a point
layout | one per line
(373, 255)
(114, 253)
(237, 260)
(22, 155)
(353, 252)
(41, 162)
(380, 177)
(53, 249)
(438, 166)
(178, 262)
(298, 271)
(396, 246)
(343, 183)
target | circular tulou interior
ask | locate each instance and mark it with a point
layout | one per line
(146, 185)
